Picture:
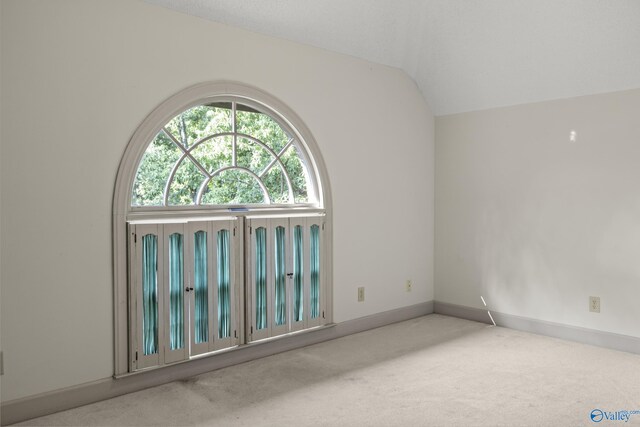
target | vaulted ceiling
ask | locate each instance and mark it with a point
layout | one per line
(464, 55)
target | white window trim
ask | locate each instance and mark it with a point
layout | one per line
(123, 211)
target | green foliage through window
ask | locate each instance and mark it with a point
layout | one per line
(222, 153)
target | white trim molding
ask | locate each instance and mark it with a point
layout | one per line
(567, 332)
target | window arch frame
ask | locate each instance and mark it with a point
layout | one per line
(124, 211)
(296, 140)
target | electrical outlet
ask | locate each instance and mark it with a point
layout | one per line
(408, 285)
(594, 304)
(361, 294)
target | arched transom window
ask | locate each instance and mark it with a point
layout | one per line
(224, 152)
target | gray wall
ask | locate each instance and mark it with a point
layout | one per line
(535, 223)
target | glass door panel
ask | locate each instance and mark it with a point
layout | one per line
(315, 280)
(146, 249)
(199, 288)
(224, 285)
(260, 282)
(280, 275)
(300, 281)
(176, 304)
(149, 294)
(226, 305)
(259, 292)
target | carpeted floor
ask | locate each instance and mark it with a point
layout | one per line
(430, 371)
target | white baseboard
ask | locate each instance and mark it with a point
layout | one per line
(571, 333)
(59, 400)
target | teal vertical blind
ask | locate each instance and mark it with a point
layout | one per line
(224, 296)
(314, 268)
(176, 295)
(298, 274)
(201, 288)
(149, 294)
(280, 300)
(261, 278)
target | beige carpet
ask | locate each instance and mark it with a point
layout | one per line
(430, 371)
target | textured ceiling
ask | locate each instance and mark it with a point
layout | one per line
(464, 55)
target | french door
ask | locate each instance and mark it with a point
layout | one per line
(189, 283)
(284, 276)
(212, 286)
(184, 284)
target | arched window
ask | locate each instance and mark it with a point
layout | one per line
(220, 228)
(228, 152)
